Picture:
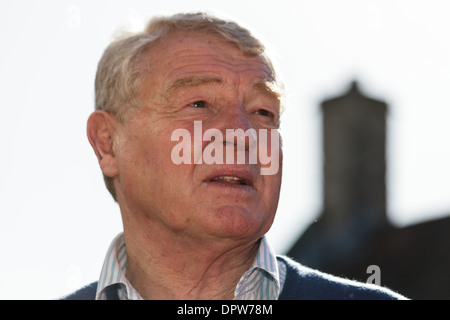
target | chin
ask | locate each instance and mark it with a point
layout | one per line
(237, 222)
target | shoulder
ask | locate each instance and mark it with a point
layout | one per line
(306, 283)
(86, 293)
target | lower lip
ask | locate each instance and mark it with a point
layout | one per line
(230, 186)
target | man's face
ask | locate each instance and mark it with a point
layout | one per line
(198, 78)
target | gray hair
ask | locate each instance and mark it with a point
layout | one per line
(121, 70)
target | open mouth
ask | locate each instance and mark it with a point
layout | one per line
(230, 179)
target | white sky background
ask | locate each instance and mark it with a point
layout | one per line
(56, 217)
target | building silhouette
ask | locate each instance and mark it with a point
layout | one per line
(353, 232)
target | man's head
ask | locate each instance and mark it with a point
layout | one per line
(184, 69)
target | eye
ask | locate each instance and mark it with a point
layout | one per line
(197, 104)
(264, 113)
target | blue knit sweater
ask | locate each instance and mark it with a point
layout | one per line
(301, 283)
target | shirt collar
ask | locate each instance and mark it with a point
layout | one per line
(113, 273)
(261, 281)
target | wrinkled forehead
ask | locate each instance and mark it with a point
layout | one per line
(184, 54)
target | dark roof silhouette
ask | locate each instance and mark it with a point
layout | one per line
(353, 231)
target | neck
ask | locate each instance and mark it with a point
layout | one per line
(163, 266)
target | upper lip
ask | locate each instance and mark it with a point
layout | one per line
(244, 176)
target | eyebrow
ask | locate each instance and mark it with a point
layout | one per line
(269, 88)
(190, 82)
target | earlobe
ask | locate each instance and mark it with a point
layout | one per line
(100, 132)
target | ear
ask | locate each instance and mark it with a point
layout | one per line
(101, 127)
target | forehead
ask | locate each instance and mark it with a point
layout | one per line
(183, 55)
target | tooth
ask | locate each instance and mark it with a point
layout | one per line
(228, 178)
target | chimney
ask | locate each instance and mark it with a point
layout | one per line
(354, 172)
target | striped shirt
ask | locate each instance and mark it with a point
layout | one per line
(264, 280)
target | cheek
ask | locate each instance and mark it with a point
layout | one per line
(269, 152)
(136, 157)
(147, 150)
(150, 161)
(272, 187)
(273, 190)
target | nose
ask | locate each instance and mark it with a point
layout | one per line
(239, 131)
(235, 117)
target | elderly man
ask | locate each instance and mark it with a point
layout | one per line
(177, 106)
